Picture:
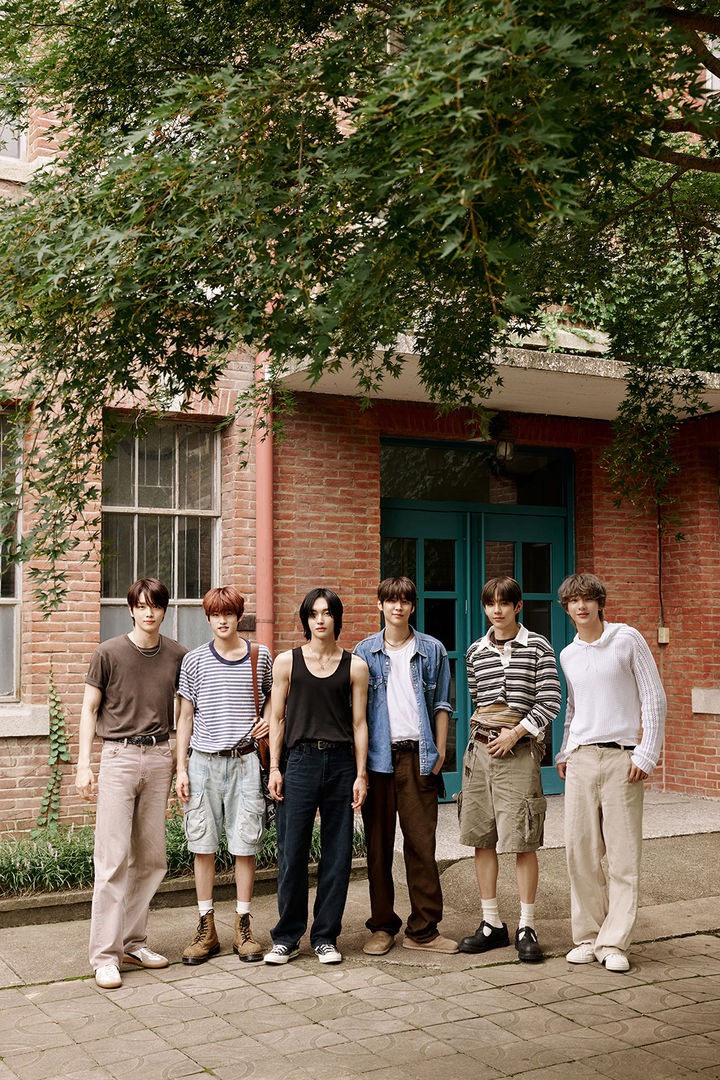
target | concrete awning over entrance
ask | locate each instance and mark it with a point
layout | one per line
(533, 381)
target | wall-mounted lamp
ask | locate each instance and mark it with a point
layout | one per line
(504, 447)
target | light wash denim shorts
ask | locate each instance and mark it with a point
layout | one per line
(224, 790)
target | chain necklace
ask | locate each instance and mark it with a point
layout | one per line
(399, 644)
(152, 651)
(322, 664)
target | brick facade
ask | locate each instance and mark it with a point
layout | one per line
(327, 530)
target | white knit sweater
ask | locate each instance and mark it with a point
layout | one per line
(614, 691)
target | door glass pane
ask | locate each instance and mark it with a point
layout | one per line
(7, 649)
(118, 478)
(440, 621)
(194, 557)
(156, 467)
(439, 565)
(536, 568)
(155, 548)
(536, 616)
(399, 557)
(450, 764)
(195, 468)
(499, 559)
(442, 473)
(118, 554)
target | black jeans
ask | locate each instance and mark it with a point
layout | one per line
(314, 780)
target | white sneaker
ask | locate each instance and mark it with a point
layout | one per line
(616, 961)
(584, 953)
(145, 958)
(108, 977)
(328, 954)
(280, 954)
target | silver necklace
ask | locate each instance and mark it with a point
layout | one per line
(321, 663)
(152, 651)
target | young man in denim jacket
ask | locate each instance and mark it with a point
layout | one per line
(408, 717)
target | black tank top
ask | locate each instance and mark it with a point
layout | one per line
(318, 708)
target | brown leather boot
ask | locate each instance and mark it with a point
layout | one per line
(245, 944)
(205, 943)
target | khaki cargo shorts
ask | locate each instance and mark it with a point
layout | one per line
(501, 804)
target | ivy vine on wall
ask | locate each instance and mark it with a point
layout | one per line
(59, 753)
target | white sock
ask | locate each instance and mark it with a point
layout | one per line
(242, 907)
(527, 915)
(490, 913)
(205, 907)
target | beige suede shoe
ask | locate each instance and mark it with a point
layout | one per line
(439, 944)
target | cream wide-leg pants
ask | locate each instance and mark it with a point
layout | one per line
(603, 816)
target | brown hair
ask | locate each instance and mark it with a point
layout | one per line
(223, 601)
(154, 591)
(505, 587)
(585, 586)
(397, 588)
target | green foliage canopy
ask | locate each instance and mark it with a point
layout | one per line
(315, 179)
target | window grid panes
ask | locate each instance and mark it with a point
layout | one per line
(160, 519)
(9, 571)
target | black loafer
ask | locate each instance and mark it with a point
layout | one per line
(526, 943)
(481, 942)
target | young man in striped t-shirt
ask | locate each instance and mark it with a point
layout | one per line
(218, 768)
(514, 686)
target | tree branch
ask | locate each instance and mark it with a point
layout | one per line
(683, 161)
(693, 20)
(706, 55)
(698, 128)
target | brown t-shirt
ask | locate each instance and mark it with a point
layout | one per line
(138, 691)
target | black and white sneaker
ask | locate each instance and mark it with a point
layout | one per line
(526, 943)
(280, 954)
(328, 954)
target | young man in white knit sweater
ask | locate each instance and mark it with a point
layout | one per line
(614, 694)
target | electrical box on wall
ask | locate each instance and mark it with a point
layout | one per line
(663, 635)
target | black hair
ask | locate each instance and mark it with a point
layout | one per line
(334, 606)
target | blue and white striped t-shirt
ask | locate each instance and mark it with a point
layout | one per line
(222, 695)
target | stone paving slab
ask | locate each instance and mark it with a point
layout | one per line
(456, 1016)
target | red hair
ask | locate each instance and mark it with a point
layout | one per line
(225, 600)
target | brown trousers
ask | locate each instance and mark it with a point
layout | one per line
(414, 798)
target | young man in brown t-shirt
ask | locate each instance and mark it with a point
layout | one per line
(129, 702)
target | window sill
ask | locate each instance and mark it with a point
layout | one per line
(17, 720)
(18, 172)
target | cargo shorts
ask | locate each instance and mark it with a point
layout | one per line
(227, 791)
(501, 804)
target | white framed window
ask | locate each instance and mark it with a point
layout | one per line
(9, 576)
(161, 519)
(12, 143)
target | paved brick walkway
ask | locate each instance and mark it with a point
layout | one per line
(394, 1019)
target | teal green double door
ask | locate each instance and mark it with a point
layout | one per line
(449, 554)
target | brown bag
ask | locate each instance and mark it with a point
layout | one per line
(262, 744)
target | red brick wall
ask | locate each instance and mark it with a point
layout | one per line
(327, 531)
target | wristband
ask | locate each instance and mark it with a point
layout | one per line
(274, 768)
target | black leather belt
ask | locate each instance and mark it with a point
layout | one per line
(324, 744)
(609, 745)
(405, 744)
(234, 751)
(141, 740)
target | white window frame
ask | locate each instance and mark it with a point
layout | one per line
(170, 625)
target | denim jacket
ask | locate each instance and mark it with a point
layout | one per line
(430, 674)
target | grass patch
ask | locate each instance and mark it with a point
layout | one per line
(56, 859)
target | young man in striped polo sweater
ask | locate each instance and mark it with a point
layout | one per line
(514, 686)
(614, 693)
(218, 768)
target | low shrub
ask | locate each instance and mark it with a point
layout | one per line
(56, 858)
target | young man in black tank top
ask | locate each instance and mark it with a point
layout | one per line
(318, 755)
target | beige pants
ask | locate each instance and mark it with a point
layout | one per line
(130, 860)
(603, 816)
